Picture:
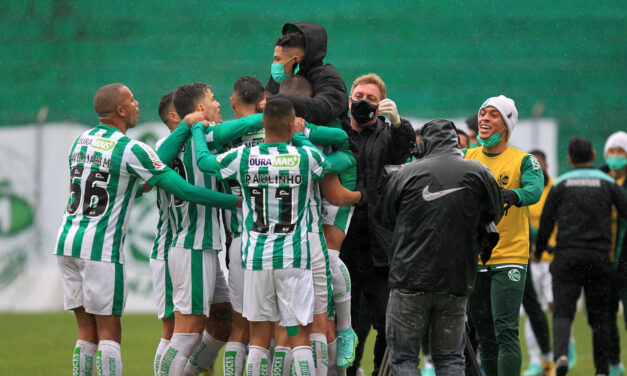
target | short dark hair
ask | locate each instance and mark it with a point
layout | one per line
(187, 96)
(472, 122)
(296, 85)
(538, 153)
(249, 89)
(164, 106)
(291, 40)
(277, 113)
(580, 150)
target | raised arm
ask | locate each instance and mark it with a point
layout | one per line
(326, 136)
(229, 131)
(175, 184)
(204, 159)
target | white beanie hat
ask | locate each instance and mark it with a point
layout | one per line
(507, 108)
(616, 139)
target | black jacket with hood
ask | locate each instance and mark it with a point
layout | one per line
(434, 207)
(330, 99)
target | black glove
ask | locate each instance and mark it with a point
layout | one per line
(509, 198)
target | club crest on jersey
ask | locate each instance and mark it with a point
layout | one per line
(275, 162)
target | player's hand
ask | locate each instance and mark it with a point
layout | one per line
(261, 105)
(299, 125)
(146, 187)
(193, 117)
(509, 198)
(388, 107)
(239, 202)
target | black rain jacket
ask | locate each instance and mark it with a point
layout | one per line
(330, 99)
(375, 147)
(434, 207)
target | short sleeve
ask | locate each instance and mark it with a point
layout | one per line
(143, 162)
(229, 163)
(317, 163)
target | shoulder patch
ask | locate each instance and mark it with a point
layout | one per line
(534, 162)
(154, 158)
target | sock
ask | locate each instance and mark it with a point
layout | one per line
(234, 357)
(303, 361)
(319, 350)
(332, 353)
(83, 358)
(175, 355)
(532, 344)
(160, 349)
(109, 359)
(341, 281)
(257, 363)
(205, 353)
(282, 361)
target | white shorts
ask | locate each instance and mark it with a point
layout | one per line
(97, 286)
(193, 274)
(542, 282)
(323, 291)
(162, 288)
(221, 291)
(280, 294)
(338, 216)
(236, 274)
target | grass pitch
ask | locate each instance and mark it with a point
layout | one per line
(42, 344)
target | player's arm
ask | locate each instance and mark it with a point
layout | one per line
(336, 194)
(531, 181)
(340, 161)
(326, 136)
(173, 183)
(172, 145)
(204, 159)
(547, 221)
(229, 131)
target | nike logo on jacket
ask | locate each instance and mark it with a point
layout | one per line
(430, 196)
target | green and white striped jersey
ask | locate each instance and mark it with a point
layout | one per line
(233, 218)
(276, 180)
(166, 227)
(198, 226)
(315, 204)
(106, 167)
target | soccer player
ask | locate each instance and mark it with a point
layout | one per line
(199, 287)
(495, 303)
(331, 221)
(166, 229)
(106, 167)
(580, 202)
(276, 181)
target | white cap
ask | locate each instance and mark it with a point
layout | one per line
(616, 139)
(507, 108)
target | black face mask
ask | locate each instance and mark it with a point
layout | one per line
(362, 111)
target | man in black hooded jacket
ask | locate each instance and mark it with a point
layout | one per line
(300, 51)
(434, 207)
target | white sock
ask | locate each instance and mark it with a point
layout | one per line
(83, 358)
(282, 361)
(163, 343)
(532, 344)
(303, 361)
(177, 352)
(257, 363)
(320, 352)
(204, 354)
(109, 359)
(332, 351)
(341, 281)
(234, 357)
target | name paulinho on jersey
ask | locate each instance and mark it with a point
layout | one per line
(275, 181)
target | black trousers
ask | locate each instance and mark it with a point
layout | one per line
(373, 287)
(572, 270)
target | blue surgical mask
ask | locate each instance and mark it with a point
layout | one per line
(616, 162)
(492, 140)
(278, 71)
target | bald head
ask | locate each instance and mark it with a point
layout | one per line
(107, 98)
